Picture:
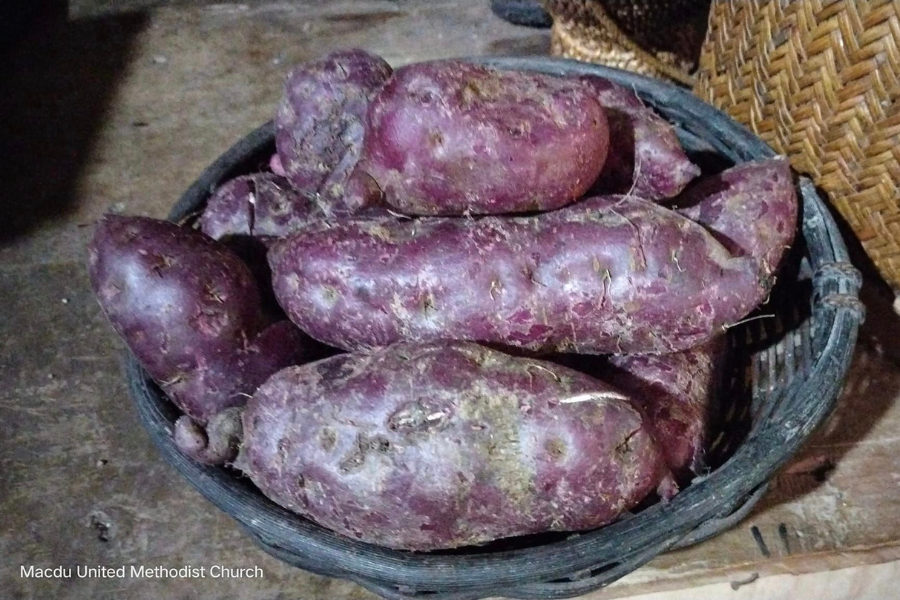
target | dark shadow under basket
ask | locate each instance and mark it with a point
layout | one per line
(786, 374)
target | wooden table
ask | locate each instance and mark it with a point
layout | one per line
(120, 113)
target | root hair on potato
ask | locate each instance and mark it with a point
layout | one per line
(675, 260)
(634, 179)
(726, 327)
(398, 215)
(546, 370)
(173, 381)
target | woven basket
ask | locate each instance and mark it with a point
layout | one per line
(659, 38)
(784, 377)
(820, 82)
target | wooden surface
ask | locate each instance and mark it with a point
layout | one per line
(120, 113)
(866, 582)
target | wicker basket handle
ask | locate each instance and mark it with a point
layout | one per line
(837, 284)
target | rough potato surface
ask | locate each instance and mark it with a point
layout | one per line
(645, 155)
(319, 126)
(443, 445)
(171, 293)
(453, 138)
(189, 310)
(258, 205)
(677, 395)
(607, 275)
(751, 208)
(227, 380)
(217, 443)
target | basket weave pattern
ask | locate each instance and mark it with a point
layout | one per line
(819, 81)
(572, 39)
(659, 38)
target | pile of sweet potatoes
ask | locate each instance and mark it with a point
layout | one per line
(447, 229)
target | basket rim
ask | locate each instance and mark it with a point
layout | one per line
(662, 525)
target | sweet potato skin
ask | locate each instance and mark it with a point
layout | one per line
(275, 165)
(452, 138)
(258, 205)
(172, 294)
(246, 213)
(645, 155)
(444, 445)
(189, 310)
(607, 275)
(229, 379)
(217, 443)
(751, 208)
(319, 125)
(677, 393)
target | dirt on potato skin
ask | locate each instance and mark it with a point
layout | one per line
(611, 274)
(320, 123)
(751, 208)
(645, 157)
(677, 393)
(444, 445)
(260, 205)
(454, 138)
(172, 294)
(190, 311)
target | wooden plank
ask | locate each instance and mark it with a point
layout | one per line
(867, 582)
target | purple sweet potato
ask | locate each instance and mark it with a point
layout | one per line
(227, 380)
(259, 205)
(607, 275)
(319, 126)
(173, 294)
(217, 443)
(751, 209)
(250, 212)
(445, 445)
(645, 155)
(189, 310)
(677, 395)
(452, 138)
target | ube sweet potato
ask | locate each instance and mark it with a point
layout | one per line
(677, 395)
(751, 208)
(645, 157)
(452, 138)
(249, 212)
(227, 380)
(607, 275)
(217, 443)
(444, 445)
(189, 310)
(319, 126)
(259, 205)
(171, 293)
